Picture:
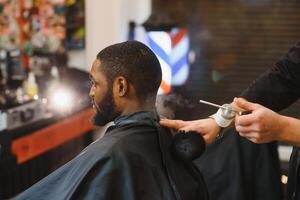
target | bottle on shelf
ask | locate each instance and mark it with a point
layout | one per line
(31, 86)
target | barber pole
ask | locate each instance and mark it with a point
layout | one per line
(161, 44)
(179, 56)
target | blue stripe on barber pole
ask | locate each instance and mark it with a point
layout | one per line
(159, 51)
(179, 56)
(179, 64)
(161, 44)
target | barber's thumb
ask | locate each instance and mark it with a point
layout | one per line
(244, 104)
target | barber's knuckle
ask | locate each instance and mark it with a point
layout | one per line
(255, 117)
(258, 128)
(260, 116)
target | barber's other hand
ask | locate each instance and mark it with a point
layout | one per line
(262, 125)
(206, 127)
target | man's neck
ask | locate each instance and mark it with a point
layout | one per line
(135, 106)
(138, 108)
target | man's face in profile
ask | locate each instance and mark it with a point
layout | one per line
(101, 95)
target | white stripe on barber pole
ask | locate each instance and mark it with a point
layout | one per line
(161, 44)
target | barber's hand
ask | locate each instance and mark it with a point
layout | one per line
(262, 125)
(206, 127)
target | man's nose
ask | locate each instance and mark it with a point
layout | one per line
(92, 93)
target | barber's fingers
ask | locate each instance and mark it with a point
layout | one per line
(255, 137)
(245, 105)
(249, 135)
(176, 124)
(245, 129)
(245, 120)
(254, 140)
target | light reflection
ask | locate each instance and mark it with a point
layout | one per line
(62, 100)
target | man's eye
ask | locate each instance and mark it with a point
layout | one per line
(91, 83)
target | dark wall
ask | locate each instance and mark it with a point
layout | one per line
(234, 41)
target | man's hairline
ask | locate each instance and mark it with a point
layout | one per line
(110, 83)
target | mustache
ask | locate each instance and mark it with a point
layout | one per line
(94, 104)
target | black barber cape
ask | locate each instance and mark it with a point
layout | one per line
(132, 161)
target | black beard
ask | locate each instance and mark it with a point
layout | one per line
(104, 110)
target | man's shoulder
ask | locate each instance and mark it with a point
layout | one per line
(130, 141)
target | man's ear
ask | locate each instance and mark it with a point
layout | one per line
(121, 86)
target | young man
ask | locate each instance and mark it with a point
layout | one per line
(133, 160)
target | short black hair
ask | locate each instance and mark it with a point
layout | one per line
(136, 62)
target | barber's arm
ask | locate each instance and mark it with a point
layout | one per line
(264, 125)
(277, 88)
